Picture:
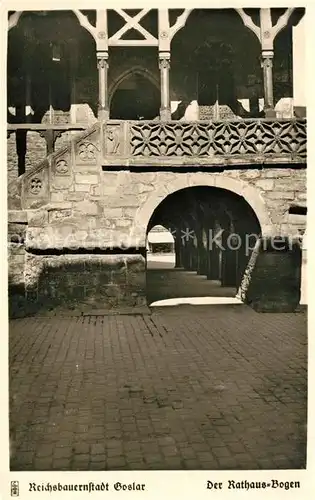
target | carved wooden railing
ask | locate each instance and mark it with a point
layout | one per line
(204, 142)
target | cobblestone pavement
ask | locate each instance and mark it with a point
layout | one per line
(216, 387)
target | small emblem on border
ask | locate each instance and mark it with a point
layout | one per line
(15, 489)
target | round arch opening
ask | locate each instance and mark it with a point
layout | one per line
(215, 231)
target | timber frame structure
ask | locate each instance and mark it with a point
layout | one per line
(265, 31)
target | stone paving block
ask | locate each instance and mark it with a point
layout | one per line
(191, 464)
(92, 400)
(98, 449)
(62, 452)
(41, 463)
(81, 448)
(116, 462)
(61, 464)
(221, 452)
(44, 451)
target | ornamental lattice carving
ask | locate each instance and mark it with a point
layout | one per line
(204, 139)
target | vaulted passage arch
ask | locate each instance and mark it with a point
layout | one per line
(215, 231)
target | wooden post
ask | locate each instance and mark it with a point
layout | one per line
(73, 69)
(267, 51)
(164, 65)
(266, 34)
(216, 104)
(103, 105)
(267, 60)
(28, 97)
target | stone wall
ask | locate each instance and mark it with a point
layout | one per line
(17, 226)
(79, 210)
(91, 207)
(92, 281)
(274, 284)
(280, 189)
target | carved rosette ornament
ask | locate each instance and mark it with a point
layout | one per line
(87, 151)
(163, 34)
(62, 167)
(35, 185)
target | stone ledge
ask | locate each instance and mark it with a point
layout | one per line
(63, 205)
(18, 216)
(164, 162)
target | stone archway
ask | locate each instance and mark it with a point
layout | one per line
(175, 183)
(215, 230)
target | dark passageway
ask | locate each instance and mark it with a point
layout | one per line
(214, 232)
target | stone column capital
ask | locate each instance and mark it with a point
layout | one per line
(102, 62)
(164, 63)
(267, 58)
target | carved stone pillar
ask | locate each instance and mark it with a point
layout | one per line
(164, 65)
(267, 63)
(103, 105)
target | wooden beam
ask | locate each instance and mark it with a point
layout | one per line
(248, 22)
(180, 22)
(164, 30)
(14, 19)
(133, 23)
(132, 43)
(101, 30)
(282, 21)
(85, 23)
